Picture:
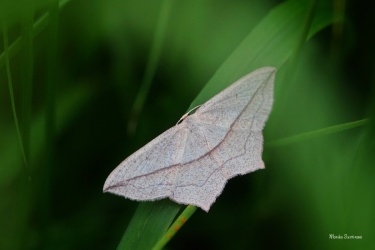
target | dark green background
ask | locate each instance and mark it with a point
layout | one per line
(95, 54)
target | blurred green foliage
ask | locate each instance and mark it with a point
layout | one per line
(74, 94)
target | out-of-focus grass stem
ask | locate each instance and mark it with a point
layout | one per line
(152, 63)
(11, 92)
(27, 81)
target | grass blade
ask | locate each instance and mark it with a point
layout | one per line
(173, 229)
(148, 224)
(27, 80)
(150, 67)
(11, 94)
(318, 133)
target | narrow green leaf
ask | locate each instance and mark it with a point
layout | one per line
(148, 224)
(270, 43)
(318, 133)
(152, 63)
(27, 80)
(11, 93)
(173, 229)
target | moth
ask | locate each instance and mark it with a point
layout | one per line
(191, 162)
